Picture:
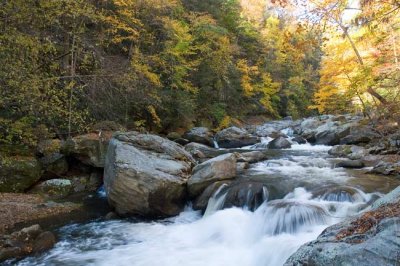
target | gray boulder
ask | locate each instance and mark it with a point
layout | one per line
(234, 137)
(359, 134)
(219, 168)
(371, 238)
(201, 135)
(90, 149)
(146, 175)
(272, 127)
(386, 168)
(279, 143)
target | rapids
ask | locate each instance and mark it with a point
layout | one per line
(310, 194)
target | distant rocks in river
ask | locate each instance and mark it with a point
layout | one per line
(146, 175)
(201, 135)
(234, 137)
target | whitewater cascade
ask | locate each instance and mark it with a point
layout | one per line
(315, 195)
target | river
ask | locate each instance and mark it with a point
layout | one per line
(310, 195)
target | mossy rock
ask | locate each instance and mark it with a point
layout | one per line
(54, 188)
(18, 173)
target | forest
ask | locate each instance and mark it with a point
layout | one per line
(165, 65)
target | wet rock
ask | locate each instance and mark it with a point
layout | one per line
(201, 135)
(146, 175)
(90, 149)
(234, 137)
(248, 194)
(54, 188)
(200, 203)
(299, 140)
(252, 157)
(359, 134)
(355, 164)
(279, 143)
(386, 168)
(45, 241)
(352, 152)
(219, 168)
(28, 241)
(18, 173)
(370, 238)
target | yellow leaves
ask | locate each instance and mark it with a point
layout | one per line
(155, 118)
(225, 123)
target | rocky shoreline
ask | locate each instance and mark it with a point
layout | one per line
(59, 182)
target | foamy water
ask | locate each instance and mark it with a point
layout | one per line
(223, 237)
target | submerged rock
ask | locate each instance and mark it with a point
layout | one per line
(355, 164)
(146, 175)
(234, 137)
(18, 173)
(279, 143)
(219, 168)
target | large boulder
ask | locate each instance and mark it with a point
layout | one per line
(146, 175)
(360, 134)
(217, 169)
(272, 128)
(371, 238)
(90, 149)
(279, 143)
(18, 173)
(201, 135)
(234, 137)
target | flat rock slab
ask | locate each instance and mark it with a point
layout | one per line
(17, 210)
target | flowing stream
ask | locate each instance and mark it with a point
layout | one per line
(303, 194)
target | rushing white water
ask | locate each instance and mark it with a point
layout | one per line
(233, 236)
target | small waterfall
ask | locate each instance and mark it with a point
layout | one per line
(345, 194)
(216, 202)
(282, 216)
(215, 143)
